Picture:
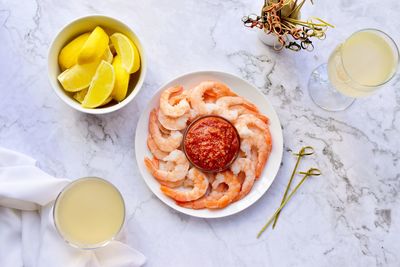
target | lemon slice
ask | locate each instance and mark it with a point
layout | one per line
(94, 46)
(128, 52)
(121, 80)
(101, 86)
(69, 54)
(79, 76)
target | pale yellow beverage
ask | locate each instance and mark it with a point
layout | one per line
(365, 61)
(89, 212)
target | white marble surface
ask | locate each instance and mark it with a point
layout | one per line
(350, 216)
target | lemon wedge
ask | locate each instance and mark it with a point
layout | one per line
(108, 100)
(101, 86)
(69, 54)
(108, 55)
(79, 76)
(80, 95)
(128, 52)
(94, 46)
(121, 80)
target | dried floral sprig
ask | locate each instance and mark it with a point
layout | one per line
(281, 18)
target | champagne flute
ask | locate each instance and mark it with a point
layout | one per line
(366, 61)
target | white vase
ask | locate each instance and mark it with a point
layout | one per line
(267, 39)
(271, 39)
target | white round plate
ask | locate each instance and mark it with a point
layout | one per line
(242, 88)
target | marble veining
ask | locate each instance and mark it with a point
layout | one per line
(350, 216)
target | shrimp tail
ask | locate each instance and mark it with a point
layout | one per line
(250, 106)
(151, 165)
(195, 204)
(265, 119)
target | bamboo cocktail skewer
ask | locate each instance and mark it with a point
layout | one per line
(303, 152)
(310, 172)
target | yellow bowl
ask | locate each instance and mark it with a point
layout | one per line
(86, 24)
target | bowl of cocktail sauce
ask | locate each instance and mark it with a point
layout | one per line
(211, 143)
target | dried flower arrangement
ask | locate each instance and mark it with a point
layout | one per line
(282, 19)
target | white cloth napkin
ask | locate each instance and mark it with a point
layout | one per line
(27, 234)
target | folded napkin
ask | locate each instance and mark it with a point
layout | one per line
(27, 234)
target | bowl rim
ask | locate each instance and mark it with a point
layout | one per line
(72, 103)
(196, 120)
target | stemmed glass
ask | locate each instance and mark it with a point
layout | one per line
(363, 63)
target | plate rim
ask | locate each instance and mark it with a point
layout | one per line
(142, 117)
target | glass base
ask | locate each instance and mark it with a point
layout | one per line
(324, 94)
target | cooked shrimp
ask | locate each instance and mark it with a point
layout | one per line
(181, 122)
(176, 110)
(210, 98)
(261, 145)
(165, 167)
(192, 115)
(201, 202)
(176, 98)
(174, 176)
(230, 115)
(165, 143)
(257, 149)
(262, 117)
(159, 154)
(226, 102)
(200, 185)
(195, 204)
(267, 140)
(247, 167)
(163, 130)
(216, 90)
(255, 134)
(171, 123)
(244, 109)
(215, 199)
(244, 121)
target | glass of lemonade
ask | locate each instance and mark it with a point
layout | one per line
(89, 212)
(367, 60)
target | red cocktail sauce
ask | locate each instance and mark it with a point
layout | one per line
(211, 143)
